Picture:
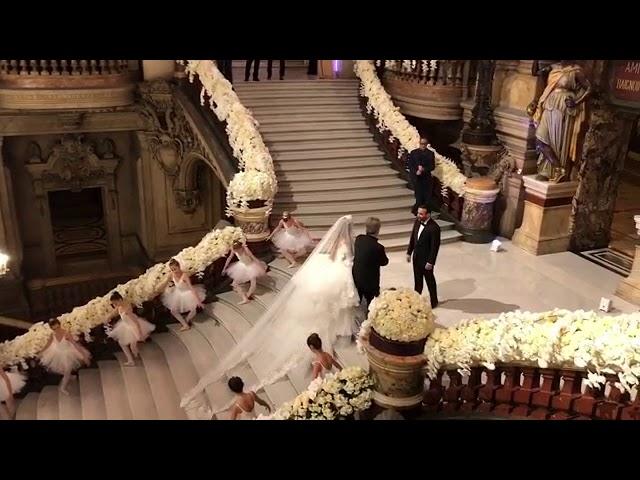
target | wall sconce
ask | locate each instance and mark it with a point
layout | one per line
(4, 264)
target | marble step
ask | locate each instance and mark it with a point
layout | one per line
(138, 390)
(313, 166)
(305, 118)
(334, 153)
(247, 96)
(310, 110)
(70, 406)
(27, 408)
(350, 184)
(308, 146)
(202, 356)
(388, 210)
(92, 403)
(114, 391)
(393, 191)
(299, 177)
(358, 123)
(268, 101)
(182, 369)
(163, 388)
(296, 136)
(232, 332)
(48, 403)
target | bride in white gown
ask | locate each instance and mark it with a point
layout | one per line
(320, 298)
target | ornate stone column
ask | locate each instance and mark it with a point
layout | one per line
(629, 288)
(479, 142)
(477, 211)
(547, 216)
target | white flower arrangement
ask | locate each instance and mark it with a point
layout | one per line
(257, 179)
(335, 397)
(250, 185)
(402, 315)
(556, 339)
(390, 119)
(81, 320)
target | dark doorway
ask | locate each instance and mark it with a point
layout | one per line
(77, 219)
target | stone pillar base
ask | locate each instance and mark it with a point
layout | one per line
(629, 288)
(477, 210)
(254, 222)
(399, 381)
(546, 218)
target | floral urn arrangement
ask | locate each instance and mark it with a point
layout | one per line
(394, 337)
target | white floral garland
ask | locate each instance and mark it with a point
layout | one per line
(402, 315)
(332, 398)
(556, 339)
(81, 320)
(390, 118)
(257, 179)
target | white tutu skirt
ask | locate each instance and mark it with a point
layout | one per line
(17, 381)
(181, 299)
(62, 357)
(125, 332)
(287, 240)
(242, 273)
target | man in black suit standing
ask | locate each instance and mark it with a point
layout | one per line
(368, 257)
(420, 163)
(256, 69)
(424, 245)
(270, 69)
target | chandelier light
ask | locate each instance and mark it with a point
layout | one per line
(4, 262)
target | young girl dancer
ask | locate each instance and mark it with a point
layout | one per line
(10, 384)
(182, 296)
(291, 238)
(62, 354)
(324, 362)
(244, 408)
(130, 329)
(247, 269)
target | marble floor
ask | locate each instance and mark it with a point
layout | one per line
(475, 282)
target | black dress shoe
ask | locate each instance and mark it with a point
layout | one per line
(281, 78)
(255, 79)
(435, 304)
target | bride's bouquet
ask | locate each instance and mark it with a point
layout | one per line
(336, 397)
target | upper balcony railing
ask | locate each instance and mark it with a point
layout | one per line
(64, 84)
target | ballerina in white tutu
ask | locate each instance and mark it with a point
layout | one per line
(182, 296)
(324, 361)
(130, 329)
(62, 354)
(291, 238)
(247, 269)
(10, 384)
(245, 404)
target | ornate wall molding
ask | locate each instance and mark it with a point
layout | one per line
(52, 99)
(173, 142)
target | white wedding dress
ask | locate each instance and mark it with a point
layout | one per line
(320, 298)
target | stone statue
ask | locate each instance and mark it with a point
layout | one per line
(558, 115)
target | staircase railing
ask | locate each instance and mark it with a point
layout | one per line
(256, 179)
(204, 260)
(527, 392)
(397, 137)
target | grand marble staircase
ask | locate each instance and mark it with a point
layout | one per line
(327, 161)
(171, 364)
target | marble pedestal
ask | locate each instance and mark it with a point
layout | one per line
(546, 218)
(477, 211)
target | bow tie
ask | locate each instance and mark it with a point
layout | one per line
(424, 224)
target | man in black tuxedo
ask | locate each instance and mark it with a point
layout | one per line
(368, 257)
(270, 69)
(424, 245)
(247, 70)
(420, 163)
